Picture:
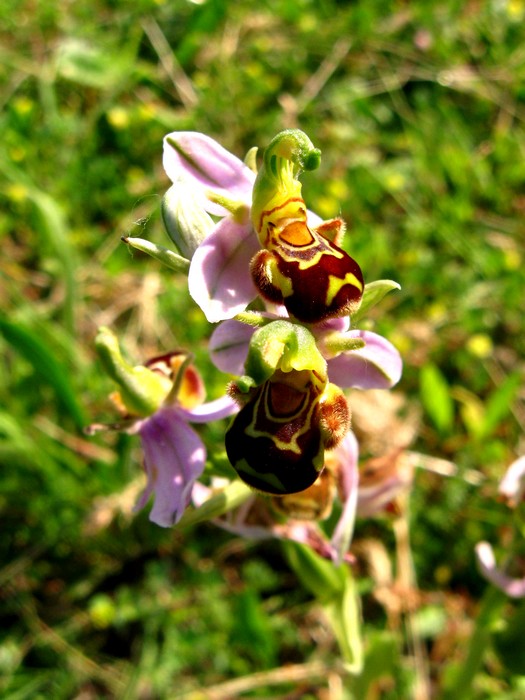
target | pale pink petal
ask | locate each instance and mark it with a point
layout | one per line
(229, 345)
(512, 486)
(376, 366)
(223, 407)
(347, 457)
(513, 587)
(339, 324)
(219, 279)
(207, 166)
(174, 457)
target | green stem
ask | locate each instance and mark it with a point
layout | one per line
(460, 684)
(164, 255)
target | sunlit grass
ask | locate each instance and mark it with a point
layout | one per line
(419, 112)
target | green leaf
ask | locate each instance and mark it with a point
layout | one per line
(344, 615)
(499, 404)
(509, 641)
(436, 397)
(321, 577)
(91, 65)
(381, 660)
(374, 292)
(471, 408)
(48, 368)
(54, 230)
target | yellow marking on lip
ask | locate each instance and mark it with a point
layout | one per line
(320, 247)
(335, 283)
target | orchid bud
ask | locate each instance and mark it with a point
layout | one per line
(186, 222)
(142, 390)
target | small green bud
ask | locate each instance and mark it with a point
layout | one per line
(186, 222)
(142, 391)
(164, 255)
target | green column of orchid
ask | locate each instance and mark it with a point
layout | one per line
(289, 153)
(301, 267)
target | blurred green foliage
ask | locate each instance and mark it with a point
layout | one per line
(418, 109)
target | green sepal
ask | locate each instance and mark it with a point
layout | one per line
(164, 255)
(142, 391)
(253, 318)
(336, 343)
(245, 384)
(282, 345)
(372, 295)
(289, 153)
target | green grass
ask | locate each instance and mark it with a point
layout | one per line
(419, 111)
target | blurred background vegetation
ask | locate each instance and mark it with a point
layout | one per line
(418, 109)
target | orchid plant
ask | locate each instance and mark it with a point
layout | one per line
(287, 298)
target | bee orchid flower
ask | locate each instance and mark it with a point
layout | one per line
(159, 401)
(219, 277)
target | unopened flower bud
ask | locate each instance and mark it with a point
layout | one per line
(185, 220)
(142, 390)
